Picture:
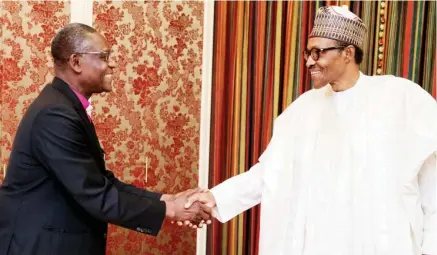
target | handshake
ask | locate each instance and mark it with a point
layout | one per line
(191, 208)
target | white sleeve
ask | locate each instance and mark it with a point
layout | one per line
(422, 111)
(238, 193)
(244, 191)
(428, 194)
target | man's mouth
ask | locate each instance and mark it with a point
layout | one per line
(314, 72)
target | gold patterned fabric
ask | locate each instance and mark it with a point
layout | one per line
(335, 22)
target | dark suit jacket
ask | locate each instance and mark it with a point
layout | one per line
(58, 197)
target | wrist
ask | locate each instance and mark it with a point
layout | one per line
(212, 202)
(167, 197)
(169, 209)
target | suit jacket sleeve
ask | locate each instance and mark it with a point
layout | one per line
(131, 188)
(59, 141)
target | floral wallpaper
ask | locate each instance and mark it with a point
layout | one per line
(152, 118)
(27, 29)
(149, 125)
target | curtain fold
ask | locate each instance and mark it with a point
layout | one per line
(259, 70)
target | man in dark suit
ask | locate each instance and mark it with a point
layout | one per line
(58, 197)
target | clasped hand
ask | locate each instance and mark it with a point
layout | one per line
(191, 207)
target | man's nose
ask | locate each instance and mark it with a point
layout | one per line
(310, 61)
(112, 63)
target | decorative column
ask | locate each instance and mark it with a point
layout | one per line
(379, 57)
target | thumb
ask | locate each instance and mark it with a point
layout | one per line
(191, 199)
(191, 192)
(208, 199)
(210, 204)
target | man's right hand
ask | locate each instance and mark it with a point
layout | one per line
(176, 209)
(204, 197)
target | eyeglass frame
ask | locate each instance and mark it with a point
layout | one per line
(317, 51)
(108, 53)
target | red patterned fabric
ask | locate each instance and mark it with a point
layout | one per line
(26, 64)
(154, 110)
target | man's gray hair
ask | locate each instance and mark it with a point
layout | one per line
(70, 39)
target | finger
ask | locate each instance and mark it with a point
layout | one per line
(172, 222)
(205, 198)
(208, 222)
(204, 216)
(187, 222)
(178, 195)
(180, 223)
(206, 208)
(191, 192)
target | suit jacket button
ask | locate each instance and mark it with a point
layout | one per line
(104, 235)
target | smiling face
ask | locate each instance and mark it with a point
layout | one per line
(331, 63)
(97, 66)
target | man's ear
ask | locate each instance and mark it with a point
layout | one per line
(75, 62)
(350, 53)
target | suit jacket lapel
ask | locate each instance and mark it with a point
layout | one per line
(69, 94)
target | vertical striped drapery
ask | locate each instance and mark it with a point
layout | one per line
(259, 70)
(411, 42)
(249, 81)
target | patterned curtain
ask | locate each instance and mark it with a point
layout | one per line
(259, 70)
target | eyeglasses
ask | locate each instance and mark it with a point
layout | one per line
(315, 52)
(103, 54)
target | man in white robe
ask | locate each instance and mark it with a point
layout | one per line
(351, 167)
